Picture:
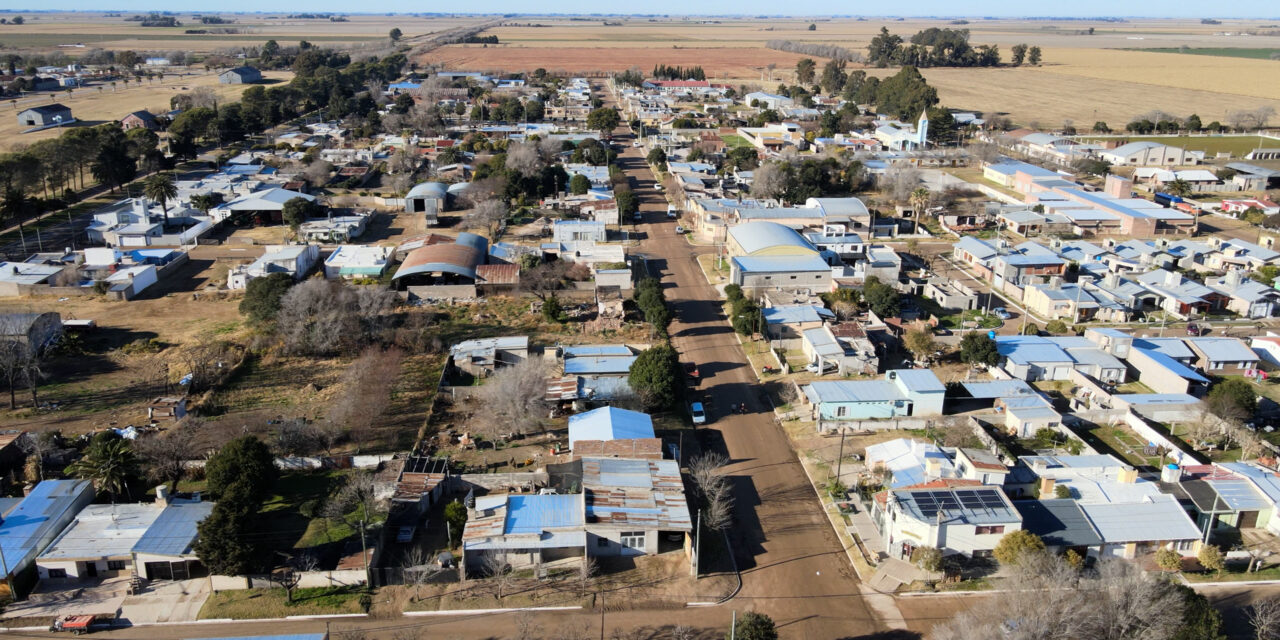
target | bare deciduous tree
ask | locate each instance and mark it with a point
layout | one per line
(499, 573)
(317, 173)
(321, 317)
(714, 488)
(359, 492)
(769, 181)
(517, 396)
(488, 215)
(1048, 598)
(899, 182)
(164, 454)
(1264, 617)
(524, 158)
(418, 569)
(549, 148)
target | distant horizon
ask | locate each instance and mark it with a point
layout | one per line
(1085, 10)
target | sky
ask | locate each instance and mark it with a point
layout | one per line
(1257, 9)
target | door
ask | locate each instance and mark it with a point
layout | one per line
(159, 571)
(91, 569)
(1248, 520)
(180, 571)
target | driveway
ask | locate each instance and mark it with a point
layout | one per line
(178, 601)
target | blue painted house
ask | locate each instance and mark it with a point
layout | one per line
(902, 393)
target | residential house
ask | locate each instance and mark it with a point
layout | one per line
(297, 260)
(28, 529)
(980, 465)
(901, 393)
(352, 261)
(152, 540)
(609, 423)
(1025, 415)
(1223, 356)
(633, 507)
(579, 231)
(598, 360)
(1180, 295)
(908, 462)
(140, 120)
(525, 530)
(965, 520)
(822, 347)
(1245, 297)
(787, 322)
(263, 207)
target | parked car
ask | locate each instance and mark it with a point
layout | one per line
(405, 534)
(691, 370)
(1193, 330)
(699, 414)
(637, 143)
(1002, 313)
(827, 367)
(679, 229)
(637, 217)
(671, 212)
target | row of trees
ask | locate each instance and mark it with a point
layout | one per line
(821, 50)
(667, 72)
(1161, 122)
(934, 47)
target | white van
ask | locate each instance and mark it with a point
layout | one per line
(671, 212)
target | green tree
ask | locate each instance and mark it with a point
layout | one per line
(627, 201)
(604, 120)
(1178, 187)
(296, 211)
(245, 460)
(1101, 127)
(804, 70)
(222, 543)
(655, 376)
(203, 202)
(905, 95)
(813, 27)
(833, 76)
(109, 462)
(921, 343)
(1015, 545)
(882, 298)
(753, 626)
(927, 558)
(579, 184)
(395, 34)
(1200, 619)
(1168, 559)
(1019, 54)
(976, 347)
(455, 514)
(658, 158)
(160, 188)
(552, 311)
(261, 301)
(15, 207)
(1056, 326)
(1211, 558)
(1033, 56)
(1233, 398)
(113, 165)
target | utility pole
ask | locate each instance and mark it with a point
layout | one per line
(733, 627)
(364, 551)
(697, 546)
(840, 459)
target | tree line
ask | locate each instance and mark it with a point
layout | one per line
(666, 72)
(940, 47)
(816, 49)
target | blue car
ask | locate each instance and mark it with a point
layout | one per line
(1002, 313)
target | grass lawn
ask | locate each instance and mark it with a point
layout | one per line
(714, 275)
(251, 604)
(732, 141)
(1224, 52)
(1271, 573)
(1235, 145)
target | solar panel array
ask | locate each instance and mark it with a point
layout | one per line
(931, 502)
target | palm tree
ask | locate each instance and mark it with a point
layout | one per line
(919, 200)
(160, 188)
(109, 462)
(205, 201)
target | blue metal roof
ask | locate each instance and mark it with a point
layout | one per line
(588, 365)
(39, 518)
(1224, 349)
(579, 351)
(1174, 366)
(609, 423)
(854, 391)
(998, 388)
(789, 314)
(918, 380)
(781, 264)
(537, 513)
(174, 531)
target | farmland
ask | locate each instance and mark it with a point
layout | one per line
(1226, 52)
(718, 62)
(103, 103)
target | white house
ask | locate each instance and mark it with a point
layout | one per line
(295, 260)
(357, 261)
(961, 517)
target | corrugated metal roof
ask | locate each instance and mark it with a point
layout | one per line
(1224, 349)
(781, 264)
(646, 494)
(758, 236)
(537, 513)
(1160, 519)
(577, 351)
(1060, 523)
(918, 380)
(174, 531)
(609, 423)
(37, 516)
(998, 388)
(854, 391)
(788, 314)
(602, 365)
(1239, 495)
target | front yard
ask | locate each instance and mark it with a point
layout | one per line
(253, 604)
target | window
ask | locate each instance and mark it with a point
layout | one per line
(989, 530)
(115, 565)
(981, 553)
(633, 539)
(57, 573)
(602, 542)
(842, 412)
(793, 277)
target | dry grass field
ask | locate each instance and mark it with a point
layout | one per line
(97, 104)
(718, 62)
(47, 31)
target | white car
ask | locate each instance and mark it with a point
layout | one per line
(827, 367)
(637, 143)
(698, 413)
(679, 229)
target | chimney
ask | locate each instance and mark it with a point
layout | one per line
(162, 495)
(1128, 476)
(1111, 281)
(933, 468)
(1046, 488)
